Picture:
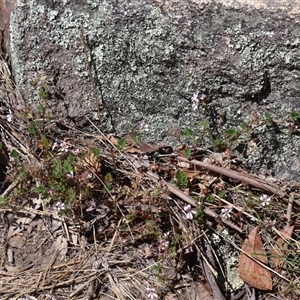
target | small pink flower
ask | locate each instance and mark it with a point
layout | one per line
(59, 206)
(164, 245)
(54, 146)
(70, 175)
(202, 97)
(76, 152)
(195, 101)
(265, 200)
(166, 235)
(226, 212)
(189, 212)
(64, 146)
(9, 169)
(151, 293)
(144, 127)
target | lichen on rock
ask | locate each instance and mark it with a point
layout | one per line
(148, 60)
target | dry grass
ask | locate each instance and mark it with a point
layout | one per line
(117, 242)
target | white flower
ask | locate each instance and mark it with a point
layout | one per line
(164, 245)
(54, 146)
(9, 116)
(70, 175)
(59, 206)
(76, 152)
(164, 242)
(195, 101)
(189, 212)
(265, 200)
(144, 127)
(188, 249)
(166, 235)
(226, 212)
(151, 295)
(64, 146)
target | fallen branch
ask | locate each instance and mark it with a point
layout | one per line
(263, 185)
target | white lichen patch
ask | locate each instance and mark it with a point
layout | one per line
(229, 258)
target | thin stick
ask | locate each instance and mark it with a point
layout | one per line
(265, 186)
(95, 94)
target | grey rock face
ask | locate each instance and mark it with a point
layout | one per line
(148, 59)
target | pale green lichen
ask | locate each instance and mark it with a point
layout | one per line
(223, 243)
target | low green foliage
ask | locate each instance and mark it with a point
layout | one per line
(69, 175)
(121, 143)
(187, 153)
(188, 132)
(181, 179)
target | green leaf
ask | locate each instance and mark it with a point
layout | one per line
(96, 152)
(157, 268)
(121, 143)
(40, 189)
(14, 154)
(268, 117)
(57, 172)
(59, 188)
(67, 167)
(245, 126)
(45, 142)
(220, 144)
(222, 194)
(135, 140)
(187, 153)
(210, 198)
(108, 178)
(203, 124)
(71, 194)
(294, 116)
(188, 132)
(232, 134)
(43, 92)
(34, 127)
(41, 108)
(181, 179)
(71, 158)
(200, 215)
(106, 188)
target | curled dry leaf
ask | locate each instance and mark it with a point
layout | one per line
(250, 271)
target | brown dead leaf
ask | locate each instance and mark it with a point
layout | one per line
(147, 252)
(92, 161)
(183, 164)
(17, 241)
(278, 252)
(113, 140)
(250, 271)
(203, 189)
